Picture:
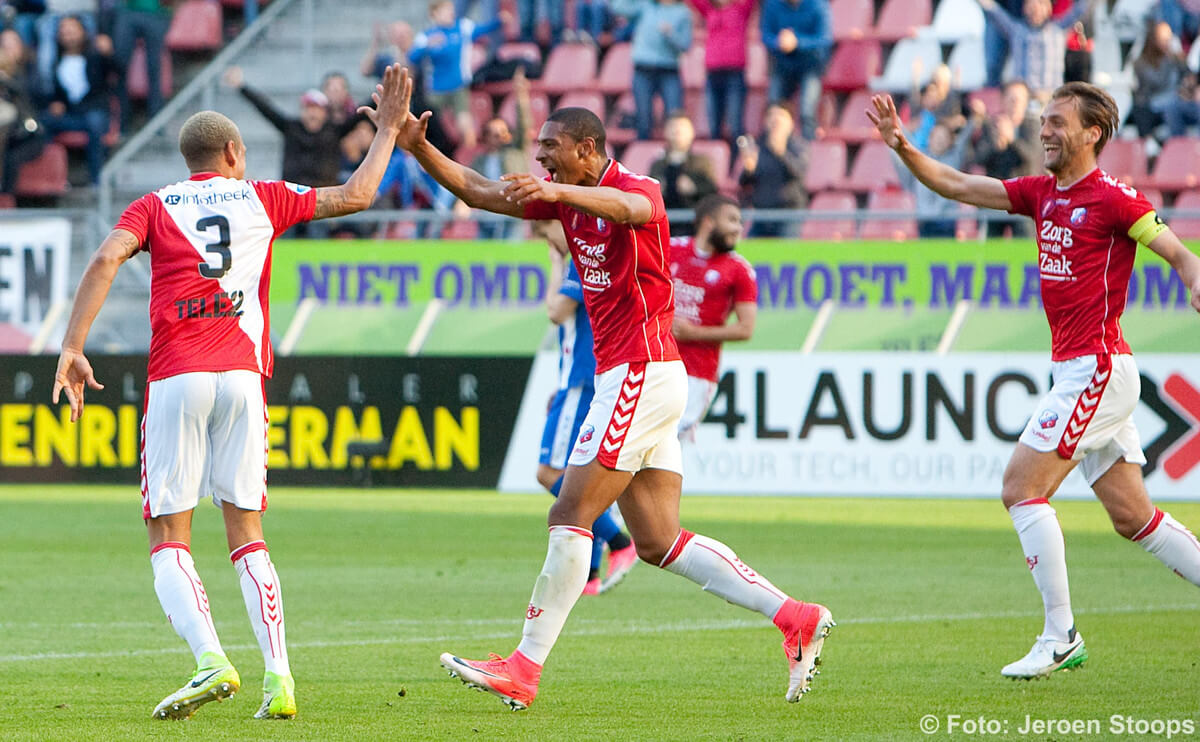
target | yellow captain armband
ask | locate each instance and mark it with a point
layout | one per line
(1145, 229)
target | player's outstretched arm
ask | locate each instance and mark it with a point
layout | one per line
(608, 203)
(470, 186)
(74, 373)
(1183, 260)
(392, 97)
(977, 190)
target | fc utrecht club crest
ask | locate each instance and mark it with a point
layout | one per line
(585, 435)
(601, 226)
(1078, 215)
(712, 275)
(1048, 419)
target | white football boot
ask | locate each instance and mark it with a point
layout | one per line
(1048, 655)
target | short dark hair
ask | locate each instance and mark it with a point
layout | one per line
(711, 203)
(203, 137)
(1095, 108)
(580, 124)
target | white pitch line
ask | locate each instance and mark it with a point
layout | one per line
(601, 628)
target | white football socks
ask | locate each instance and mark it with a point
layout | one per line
(713, 566)
(1173, 544)
(1042, 540)
(183, 599)
(557, 588)
(264, 604)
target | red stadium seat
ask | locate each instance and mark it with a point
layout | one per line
(13, 339)
(588, 99)
(1187, 227)
(830, 229)
(616, 71)
(853, 124)
(826, 165)
(1125, 160)
(569, 67)
(511, 50)
(853, 65)
(851, 18)
(7, 201)
(890, 229)
(1178, 165)
(873, 169)
(756, 106)
(137, 80)
(539, 110)
(691, 68)
(468, 229)
(900, 19)
(717, 151)
(639, 155)
(46, 176)
(195, 27)
(622, 110)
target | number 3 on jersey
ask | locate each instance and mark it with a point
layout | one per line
(220, 247)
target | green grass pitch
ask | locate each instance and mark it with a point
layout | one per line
(932, 598)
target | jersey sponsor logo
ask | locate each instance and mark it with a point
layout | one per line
(1052, 234)
(1056, 268)
(1078, 215)
(1048, 419)
(207, 199)
(219, 304)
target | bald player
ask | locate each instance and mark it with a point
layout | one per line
(204, 431)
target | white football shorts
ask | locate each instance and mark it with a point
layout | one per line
(700, 393)
(204, 433)
(1087, 416)
(634, 418)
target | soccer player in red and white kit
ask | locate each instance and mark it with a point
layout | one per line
(711, 282)
(205, 423)
(627, 450)
(1089, 226)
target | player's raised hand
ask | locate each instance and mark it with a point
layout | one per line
(391, 97)
(887, 120)
(74, 373)
(523, 188)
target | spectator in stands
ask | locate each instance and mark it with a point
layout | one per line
(799, 36)
(311, 142)
(398, 37)
(936, 101)
(538, 14)
(488, 10)
(446, 45)
(1001, 155)
(1038, 43)
(336, 89)
(1183, 16)
(1077, 66)
(995, 43)
(591, 21)
(22, 16)
(147, 20)
(938, 216)
(21, 134)
(80, 98)
(725, 63)
(773, 169)
(662, 31)
(505, 153)
(1159, 70)
(685, 176)
(86, 11)
(1184, 110)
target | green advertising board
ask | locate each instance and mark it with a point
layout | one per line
(885, 295)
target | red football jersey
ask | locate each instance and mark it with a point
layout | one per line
(209, 240)
(706, 288)
(623, 268)
(1085, 253)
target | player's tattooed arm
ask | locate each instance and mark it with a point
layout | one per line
(332, 201)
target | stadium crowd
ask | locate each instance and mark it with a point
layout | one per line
(758, 99)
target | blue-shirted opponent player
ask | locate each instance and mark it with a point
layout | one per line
(568, 408)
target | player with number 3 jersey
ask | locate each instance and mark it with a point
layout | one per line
(204, 430)
(1089, 226)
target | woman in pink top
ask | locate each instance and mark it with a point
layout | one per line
(725, 62)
